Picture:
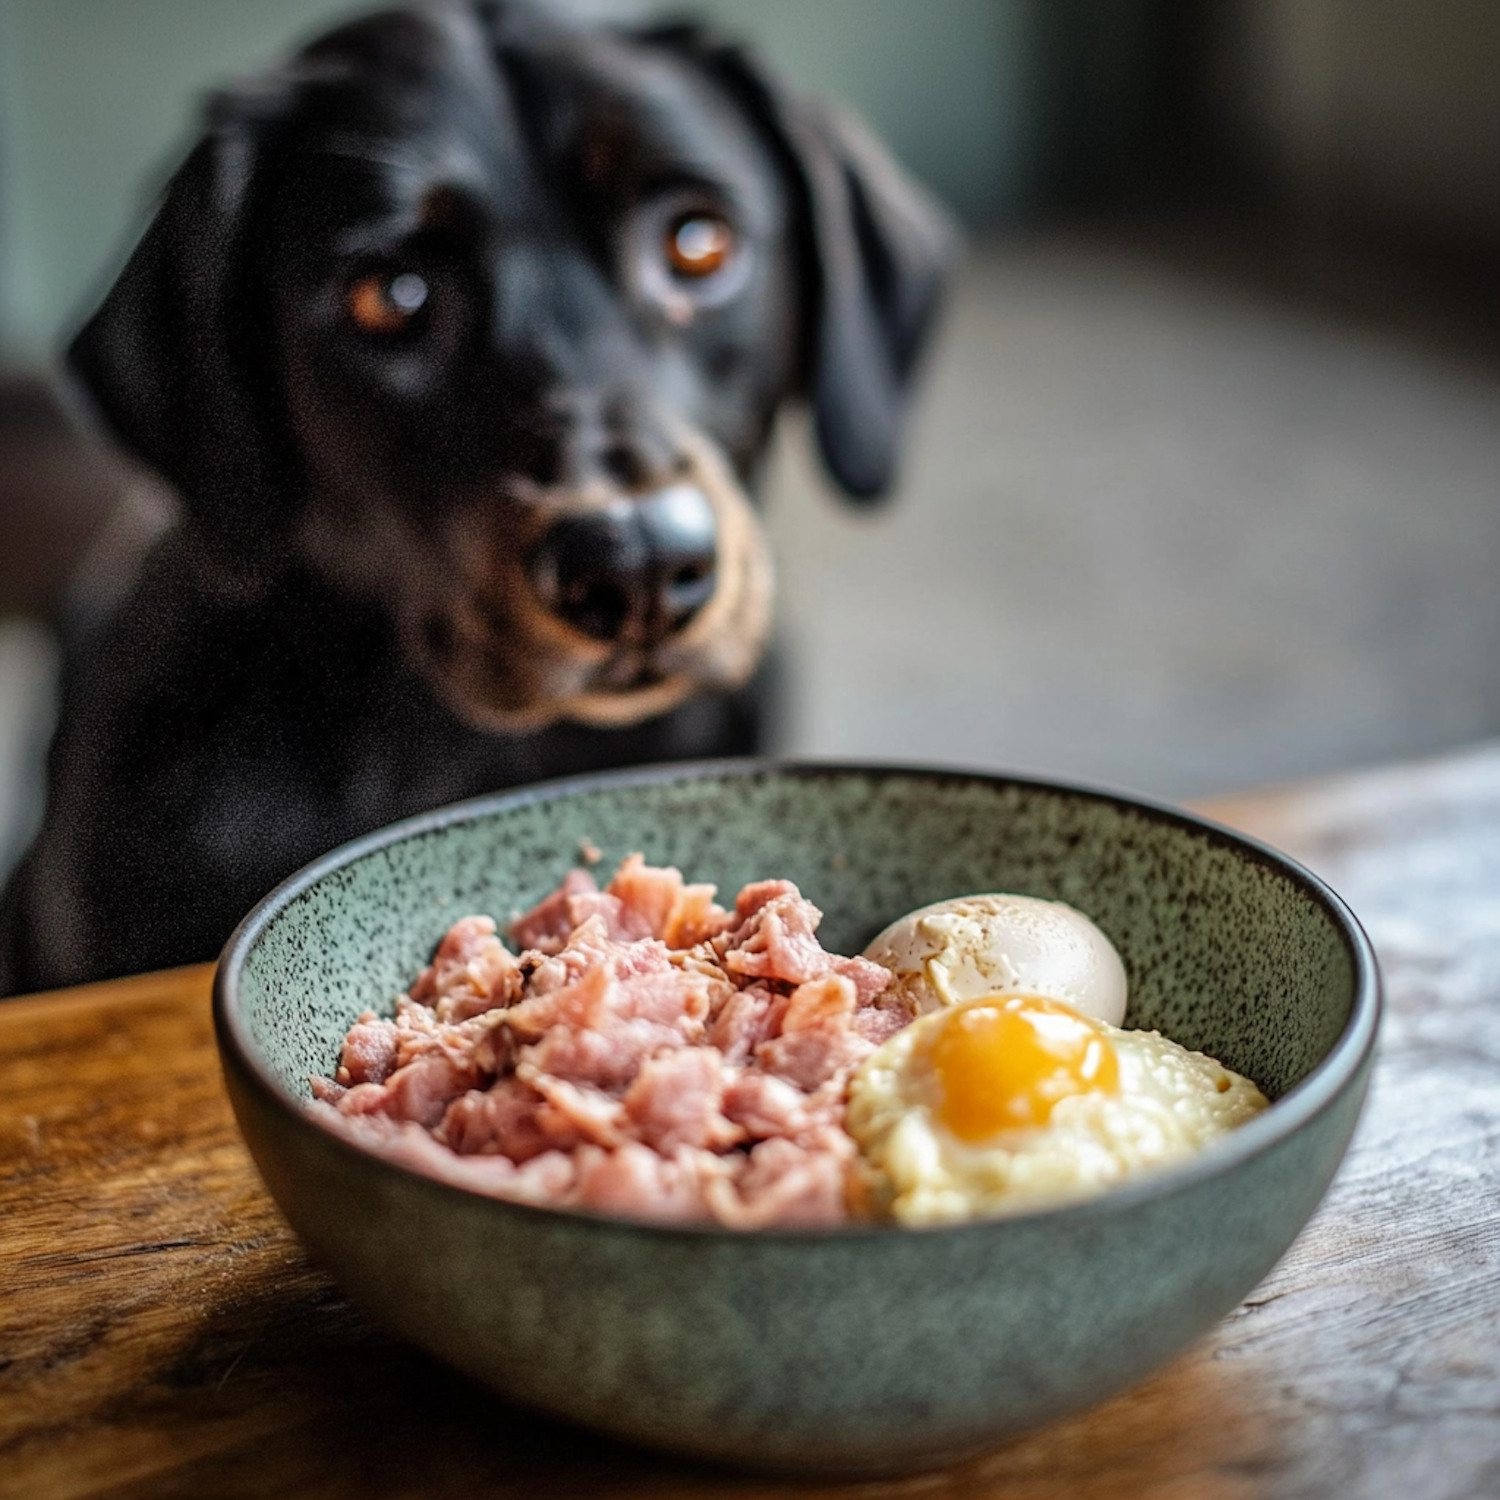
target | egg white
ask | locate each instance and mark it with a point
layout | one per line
(1170, 1103)
(1002, 944)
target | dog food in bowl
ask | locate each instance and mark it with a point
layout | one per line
(869, 1347)
(653, 1055)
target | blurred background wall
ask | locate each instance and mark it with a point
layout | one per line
(1383, 110)
(1202, 486)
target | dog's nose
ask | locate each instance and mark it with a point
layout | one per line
(641, 572)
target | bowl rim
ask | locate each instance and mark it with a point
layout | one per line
(1319, 1091)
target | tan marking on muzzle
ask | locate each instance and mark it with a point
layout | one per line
(516, 666)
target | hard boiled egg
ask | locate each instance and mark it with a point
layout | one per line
(1002, 945)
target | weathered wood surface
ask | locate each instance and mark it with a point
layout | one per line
(161, 1333)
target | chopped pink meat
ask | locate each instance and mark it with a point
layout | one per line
(628, 981)
(500, 1120)
(812, 1057)
(677, 1100)
(326, 1091)
(608, 1057)
(545, 1179)
(424, 1088)
(817, 1039)
(471, 972)
(647, 890)
(755, 895)
(649, 1054)
(681, 915)
(369, 1054)
(590, 946)
(880, 1022)
(749, 1017)
(571, 1113)
(550, 923)
(822, 1004)
(784, 1183)
(481, 1039)
(778, 942)
(639, 1183)
(869, 979)
(764, 1105)
(582, 1001)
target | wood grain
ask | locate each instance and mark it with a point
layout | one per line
(162, 1334)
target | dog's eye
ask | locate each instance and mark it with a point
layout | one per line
(386, 301)
(698, 244)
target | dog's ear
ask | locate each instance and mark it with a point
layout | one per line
(881, 248)
(166, 358)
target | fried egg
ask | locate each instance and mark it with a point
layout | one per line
(1002, 945)
(1010, 1102)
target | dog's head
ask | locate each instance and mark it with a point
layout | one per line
(488, 315)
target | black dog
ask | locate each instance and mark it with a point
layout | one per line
(459, 339)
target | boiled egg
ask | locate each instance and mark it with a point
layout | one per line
(998, 944)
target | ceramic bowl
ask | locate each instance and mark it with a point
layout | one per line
(864, 1350)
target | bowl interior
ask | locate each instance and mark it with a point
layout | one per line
(1228, 950)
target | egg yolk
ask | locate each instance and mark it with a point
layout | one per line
(1004, 1062)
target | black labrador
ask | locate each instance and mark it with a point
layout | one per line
(459, 337)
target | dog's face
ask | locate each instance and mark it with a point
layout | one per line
(488, 317)
(534, 320)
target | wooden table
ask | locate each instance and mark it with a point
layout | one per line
(161, 1333)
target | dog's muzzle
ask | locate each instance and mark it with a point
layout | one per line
(583, 603)
(636, 573)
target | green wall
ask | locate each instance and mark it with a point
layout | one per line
(97, 99)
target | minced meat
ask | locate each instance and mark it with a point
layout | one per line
(649, 1054)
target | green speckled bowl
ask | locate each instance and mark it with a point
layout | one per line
(865, 1350)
